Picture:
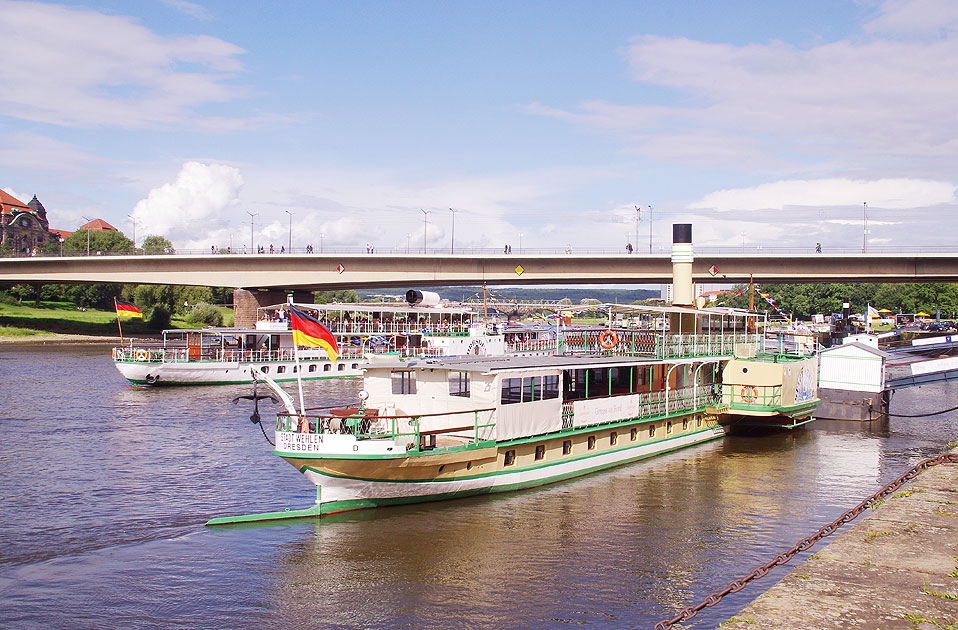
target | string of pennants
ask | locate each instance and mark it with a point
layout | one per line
(765, 296)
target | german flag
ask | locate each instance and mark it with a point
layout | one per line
(127, 309)
(308, 332)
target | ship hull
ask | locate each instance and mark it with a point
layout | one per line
(226, 373)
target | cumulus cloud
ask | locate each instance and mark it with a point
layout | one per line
(192, 211)
(915, 17)
(882, 193)
(74, 66)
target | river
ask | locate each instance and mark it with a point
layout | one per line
(105, 490)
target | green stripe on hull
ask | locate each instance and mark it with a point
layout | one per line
(162, 383)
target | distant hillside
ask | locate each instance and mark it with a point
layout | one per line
(527, 294)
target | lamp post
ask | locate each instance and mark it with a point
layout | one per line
(638, 215)
(251, 215)
(452, 247)
(650, 229)
(425, 226)
(290, 248)
(133, 219)
(88, 220)
(61, 247)
(864, 227)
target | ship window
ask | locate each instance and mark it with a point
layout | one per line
(312, 367)
(566, 447)
(550, 386)
(280, 369)
(459, 384)
(668, 427)
(633, 434)
(265, 369)
(574, 387)
(699, 421)
(510, 458)
(327, 367)
(685, 425)
(404, 382)
(511, 390)
(651, 430)
(341, 367)
(642, 377)
(531, 389)
(355, 366)
(613, 438)
(591, 442)
(621, 380)
(540, 452)
(598, 383)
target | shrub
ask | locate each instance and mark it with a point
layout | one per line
(206, 314)
(159, 318)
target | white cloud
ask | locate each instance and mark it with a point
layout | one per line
(915, 17)
(882, 193)
(17, 195)
(77, 67)
(192, 212)
(189, 8)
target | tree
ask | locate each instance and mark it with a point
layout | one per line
(106, 241)
(333, 297)
(154, 244)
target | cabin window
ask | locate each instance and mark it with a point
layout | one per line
(550, 386)
(280, 369)
(620, 380)
(613, 438)
(327, 367)
(265, 369)
(404, 382)
(531, 388)
(698, 422)
(341, 367)
(459, 384)
(685, 425)
(668, 427)
(566, 447)
(642, 377)
(634, 433)
(355, 366)
(574, 381)
(510, 458)
(591, 442)
(651, 430)
(511, 390)
(598, 383)
(312, 367)
(540, 452)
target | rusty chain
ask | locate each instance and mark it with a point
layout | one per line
(737, 585)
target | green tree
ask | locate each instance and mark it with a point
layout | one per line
(333, 297)
(100, 241)
(154, 244)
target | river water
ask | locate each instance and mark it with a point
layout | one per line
(105, 489)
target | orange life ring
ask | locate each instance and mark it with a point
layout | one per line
(749, 393)
(608, 339)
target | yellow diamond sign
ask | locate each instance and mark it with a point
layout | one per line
(519, 270)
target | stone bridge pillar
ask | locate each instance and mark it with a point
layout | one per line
(245, 303)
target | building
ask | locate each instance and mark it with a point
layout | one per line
(24, 227)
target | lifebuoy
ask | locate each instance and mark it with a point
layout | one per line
(141, 355)
(749, 393)
(608, 339)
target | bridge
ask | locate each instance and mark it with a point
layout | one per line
(346, 271)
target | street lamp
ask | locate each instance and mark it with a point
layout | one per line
(61, 247)
(251, 215)
(650, 229)
(88, 220)
(452, 248)
(290, 249)
(425, 226)
(133, 219)
(638, 215)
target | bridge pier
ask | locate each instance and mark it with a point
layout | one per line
(245, 303)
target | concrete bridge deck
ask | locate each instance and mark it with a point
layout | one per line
(340, 271)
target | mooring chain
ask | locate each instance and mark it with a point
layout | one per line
(737, 585)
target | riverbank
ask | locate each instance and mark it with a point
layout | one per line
(897, 568)
(44, 337)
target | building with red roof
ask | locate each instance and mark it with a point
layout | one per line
(24, 226)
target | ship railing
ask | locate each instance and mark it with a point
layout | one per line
(658, 403)
(227, 355)
(657, 345)
(530, 345)
(418, 432)
(752, 397)
(394, 328)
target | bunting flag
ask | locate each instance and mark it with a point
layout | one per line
(127, 309)
(308, 332)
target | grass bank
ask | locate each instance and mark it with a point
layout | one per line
(65, 317)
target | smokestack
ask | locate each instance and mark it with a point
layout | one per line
(683, 292)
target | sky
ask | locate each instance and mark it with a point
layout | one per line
(337, 124)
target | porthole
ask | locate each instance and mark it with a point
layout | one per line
(327, 367)
(265, 369)
(566, 447)
(355, 366)
(591, 442)
(613, 438)
(341, 367)
(651, 430)
(280, 369)
(685, 425)
(312, 367)
(634, 433)
(469, 466)
(510, 458)
(540, 452)
(744, 370)
(668, 427)
(442, 468)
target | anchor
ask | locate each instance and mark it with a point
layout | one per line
(255, 417)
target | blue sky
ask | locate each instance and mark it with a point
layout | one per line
(769, 123)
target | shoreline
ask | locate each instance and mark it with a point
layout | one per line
(68, 338)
